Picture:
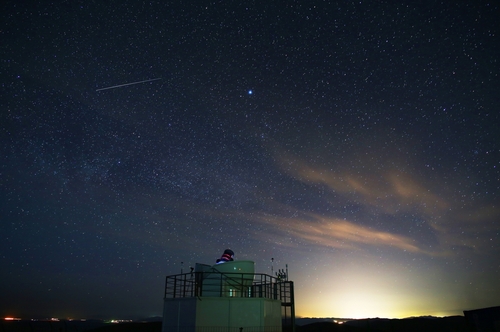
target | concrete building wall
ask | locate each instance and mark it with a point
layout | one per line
(203, 313)
(179, 315)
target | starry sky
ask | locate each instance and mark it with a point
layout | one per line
(355, 143)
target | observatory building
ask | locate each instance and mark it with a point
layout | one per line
(228, 297)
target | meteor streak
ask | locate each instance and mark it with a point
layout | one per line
(119, 86)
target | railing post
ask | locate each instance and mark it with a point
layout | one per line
(165, 293)
(184, 286)
(175, 287)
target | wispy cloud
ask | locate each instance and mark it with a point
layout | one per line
(337, 233)
(390, 192)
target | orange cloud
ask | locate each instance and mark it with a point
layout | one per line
(338, 233)
(390, 191)
(457, 222)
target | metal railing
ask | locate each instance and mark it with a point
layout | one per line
(218, 284)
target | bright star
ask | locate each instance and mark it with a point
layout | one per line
(250, 92)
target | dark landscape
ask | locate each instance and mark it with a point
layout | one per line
(428, 324)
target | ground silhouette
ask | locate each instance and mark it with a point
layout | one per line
(130, 327)
(417, 324)
(432, 324)
(427, 324)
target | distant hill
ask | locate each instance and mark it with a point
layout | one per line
(150, 319)
(330, 327)
(130, 327)
(417, 324)
(78, 326)
(446, 324)
(49, 325)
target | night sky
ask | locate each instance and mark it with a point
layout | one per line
(357, 143)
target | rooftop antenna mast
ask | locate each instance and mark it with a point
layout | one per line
(282, 274)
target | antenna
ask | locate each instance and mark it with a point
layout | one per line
(282, 274)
